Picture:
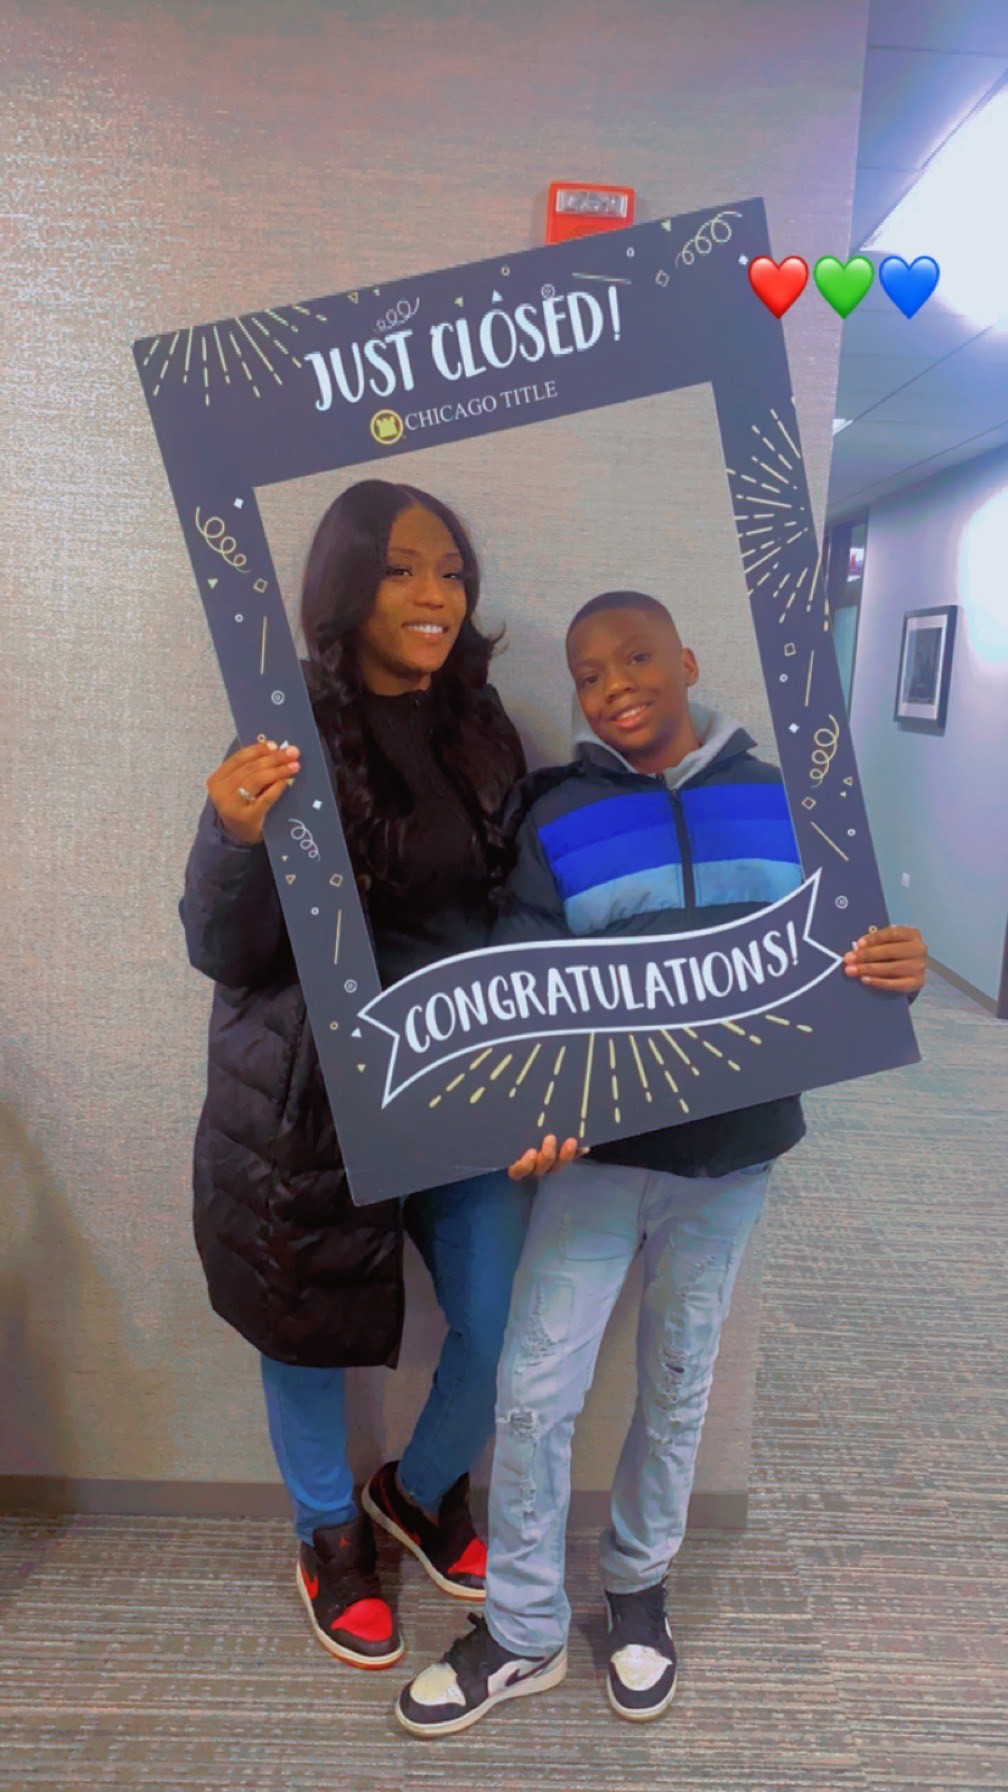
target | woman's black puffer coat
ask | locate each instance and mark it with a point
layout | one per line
(290, 1262)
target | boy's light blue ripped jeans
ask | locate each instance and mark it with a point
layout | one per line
(588, 1223)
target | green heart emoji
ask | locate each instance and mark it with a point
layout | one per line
(843, 285)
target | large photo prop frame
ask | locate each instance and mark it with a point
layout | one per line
(462, 1066)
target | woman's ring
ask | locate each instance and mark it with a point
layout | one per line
(246, 794)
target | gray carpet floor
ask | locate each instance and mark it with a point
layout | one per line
(851, 1638)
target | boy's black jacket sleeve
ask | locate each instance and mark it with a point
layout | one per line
(530, 908)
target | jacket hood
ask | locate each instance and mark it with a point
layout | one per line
(720, 736)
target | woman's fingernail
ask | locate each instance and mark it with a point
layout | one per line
(293, 752)
(271, 745)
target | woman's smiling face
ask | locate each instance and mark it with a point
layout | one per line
(419, 607)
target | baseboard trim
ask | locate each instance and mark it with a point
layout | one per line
(57, 1495)
(708, 1511)
(52, 1494)
(998, 1008)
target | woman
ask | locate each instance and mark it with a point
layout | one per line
(421, 755)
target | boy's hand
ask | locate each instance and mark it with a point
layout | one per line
(894, 959)
(549, 1158)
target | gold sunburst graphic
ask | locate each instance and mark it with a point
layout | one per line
(254, 349)
(772, 514)
(608, 1061)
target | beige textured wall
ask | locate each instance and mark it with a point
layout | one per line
(562, 510)
(173, 162)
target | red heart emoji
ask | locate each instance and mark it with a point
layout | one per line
(778, 287)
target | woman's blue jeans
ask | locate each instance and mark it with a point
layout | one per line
(470, 1236)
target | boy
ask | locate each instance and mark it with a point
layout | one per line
(649, 831)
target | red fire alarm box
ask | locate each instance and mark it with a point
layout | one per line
(578, 208)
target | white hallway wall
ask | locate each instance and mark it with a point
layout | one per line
(938, 803)
(177, 162)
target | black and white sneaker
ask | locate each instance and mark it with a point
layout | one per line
(642, 1657)
(476, 1674)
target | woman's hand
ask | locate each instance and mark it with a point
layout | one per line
(245, 787)
(543, 1162)
(894, 959)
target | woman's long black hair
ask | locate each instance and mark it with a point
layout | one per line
(471, 736)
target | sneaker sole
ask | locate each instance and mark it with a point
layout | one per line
(641, 1717)
(520, 1690)
(474, 1595)
(333, 1648)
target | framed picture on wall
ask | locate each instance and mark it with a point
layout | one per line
(855, 556)
(925, 668)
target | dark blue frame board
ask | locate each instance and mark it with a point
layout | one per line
(427, 1085)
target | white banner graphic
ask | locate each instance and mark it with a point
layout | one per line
(553, 988)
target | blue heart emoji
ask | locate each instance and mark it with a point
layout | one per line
(908, 285)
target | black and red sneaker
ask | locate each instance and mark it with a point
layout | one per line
(338, 1581)
(448, 1548)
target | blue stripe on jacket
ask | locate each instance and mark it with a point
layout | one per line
(641, 893)
(620, 857)
(744, 849)
(611, 838)
(721, 816)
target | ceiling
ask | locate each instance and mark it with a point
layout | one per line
(925, 393)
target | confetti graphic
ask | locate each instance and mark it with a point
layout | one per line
(825, 742)
(711, 233)
(219, 542)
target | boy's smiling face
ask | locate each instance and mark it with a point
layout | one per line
(632, 675)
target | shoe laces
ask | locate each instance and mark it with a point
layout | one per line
(639, 1618)
(352, 1575)
(475, 1653)
(454, 1521)
(456, 1498)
